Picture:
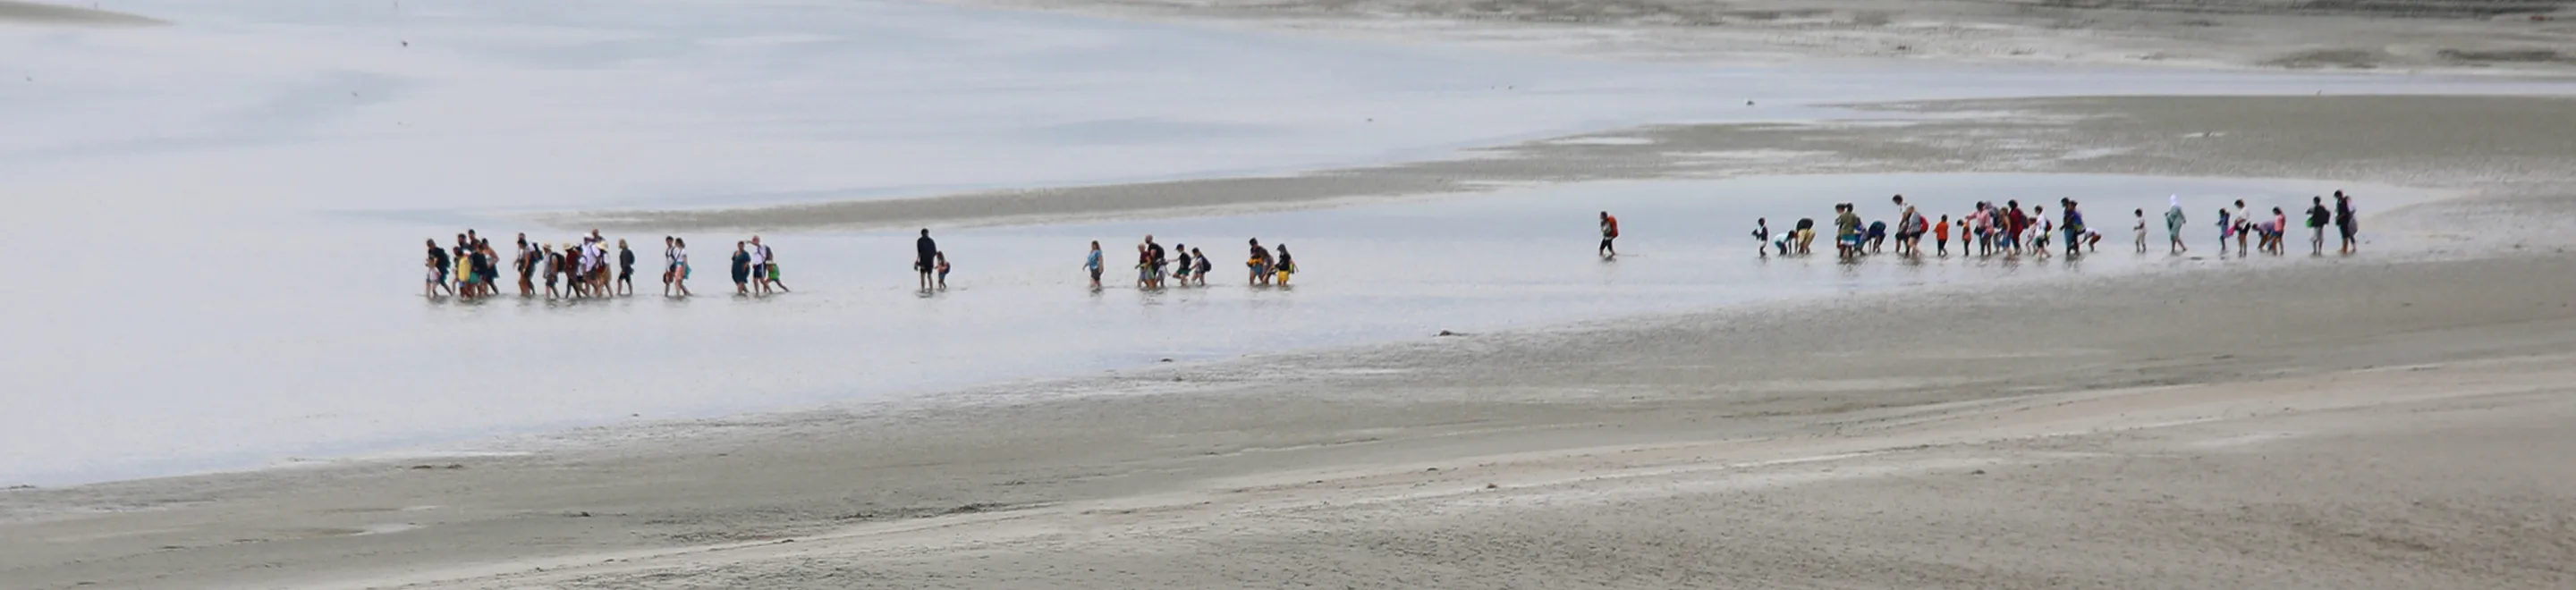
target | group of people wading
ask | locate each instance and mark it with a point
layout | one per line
(2011, 231)
(1183, 265)
(582, 269)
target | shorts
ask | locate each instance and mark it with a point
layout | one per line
(627, 273)
(2347, 230)
(437, 276)
(921, 266)
(1095, 274)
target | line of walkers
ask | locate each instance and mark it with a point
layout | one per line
(1186, 266)
(581, 269)
(2010, 231)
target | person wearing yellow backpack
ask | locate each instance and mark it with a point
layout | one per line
(1287, 265)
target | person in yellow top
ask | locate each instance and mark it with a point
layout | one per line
(1287, 265)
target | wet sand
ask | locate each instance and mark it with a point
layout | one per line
(2230, 429)
(2485, 36)
(13, 11)
(2506, 145)
(2382, 421)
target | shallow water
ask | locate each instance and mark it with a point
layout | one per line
(217, 221)
(365, 364)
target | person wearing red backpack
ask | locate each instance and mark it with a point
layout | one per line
(1609, 231)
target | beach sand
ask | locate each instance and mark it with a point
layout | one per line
(2517, 36)
(2382, 421)
(2510, 147)
(14, 11)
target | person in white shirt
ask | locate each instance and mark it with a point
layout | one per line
(769, 272)
(679, 266)
(759, 266)
(2142, 231)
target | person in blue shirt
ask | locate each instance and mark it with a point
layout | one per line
(1093, 265)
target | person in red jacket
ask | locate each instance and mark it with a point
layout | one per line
(1609, 231)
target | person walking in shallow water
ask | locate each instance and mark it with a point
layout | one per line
(741, 268)
(525, 262)
(1609, 232)
(1155, 259)
(1200, 273)
(770, 270)
(625, 269)
(943, 268)
(923, 250)
(680, 266)
(759, 267)
(1259, 264)
(1287, 265)
(1093, 264)
(437, 270)
(2173, 225)
(1144, 268)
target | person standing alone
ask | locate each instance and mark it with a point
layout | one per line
(1609, 231)
(924, 250)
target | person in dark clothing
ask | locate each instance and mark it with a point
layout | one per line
(2345, 222)
(1154, 262)
(741, 268)
(924, 250)
(625, 269)
(525, 262)
(2318, 217)
(1609, 233)
(1805, 232)
(1287, 265)
(1199, 273)
(551, 264)
(438, 265)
